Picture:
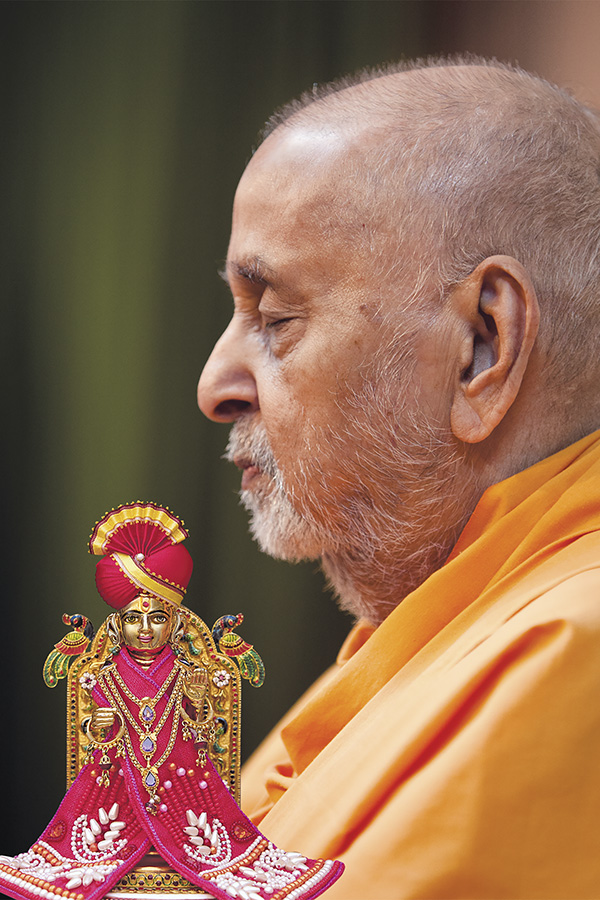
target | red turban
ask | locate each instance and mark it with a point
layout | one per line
(144, 554)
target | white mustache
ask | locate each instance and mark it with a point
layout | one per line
(249, 444)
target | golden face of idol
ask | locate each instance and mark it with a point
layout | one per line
(146, 624)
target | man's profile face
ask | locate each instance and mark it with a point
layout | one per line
(298, 339)
(296, 368)
(145, 623)
(334, 376)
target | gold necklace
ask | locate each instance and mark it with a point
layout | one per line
(165, 755)
(148, 739)
(146, 704)
(115, 693)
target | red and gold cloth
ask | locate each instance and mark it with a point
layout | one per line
(142, 543)
(101, 831)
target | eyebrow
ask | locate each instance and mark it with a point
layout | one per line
(253, 270)
(138, 612)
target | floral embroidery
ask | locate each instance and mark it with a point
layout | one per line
(50, 866)
(208, 842)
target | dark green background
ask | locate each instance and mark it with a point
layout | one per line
(125, 127)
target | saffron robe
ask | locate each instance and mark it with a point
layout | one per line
(454, 752)
(101, 830)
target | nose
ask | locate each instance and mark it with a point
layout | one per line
(145, 624)
(227, 388)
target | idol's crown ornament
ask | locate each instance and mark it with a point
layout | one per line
(153, 744)
(141, 549)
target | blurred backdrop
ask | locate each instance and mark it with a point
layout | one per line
(124, 129)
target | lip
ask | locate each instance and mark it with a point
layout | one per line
(249, 471)
(248, 476)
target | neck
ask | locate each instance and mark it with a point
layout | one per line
(144, 658)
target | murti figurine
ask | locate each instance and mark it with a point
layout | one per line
(153, 710)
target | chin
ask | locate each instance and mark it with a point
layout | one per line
(144, 648)
(283, 534)
(279, 529)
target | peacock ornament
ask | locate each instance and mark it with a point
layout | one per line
(68, 648)
(233, 645)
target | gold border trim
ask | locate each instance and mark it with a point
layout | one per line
(135, 512)
(138, 576)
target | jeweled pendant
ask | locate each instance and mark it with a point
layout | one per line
(147, 713)
(150, 779)
(148, 745)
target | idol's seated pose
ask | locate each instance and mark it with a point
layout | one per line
(154, 711)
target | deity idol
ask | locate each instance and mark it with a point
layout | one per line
(153, 743)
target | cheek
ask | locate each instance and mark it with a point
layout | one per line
(296, 403)
(304, 402)
(161, 633)
(326, 365)
(129, 632)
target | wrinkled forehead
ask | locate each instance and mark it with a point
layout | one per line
(145, 603)
(303, 194)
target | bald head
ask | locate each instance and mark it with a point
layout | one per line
(476, 159)
(396, 242)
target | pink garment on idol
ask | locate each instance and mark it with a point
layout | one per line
(240, 858)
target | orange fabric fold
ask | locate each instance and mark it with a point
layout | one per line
(453, 752)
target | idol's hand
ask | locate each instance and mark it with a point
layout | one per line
(196, 686)
(103, 717)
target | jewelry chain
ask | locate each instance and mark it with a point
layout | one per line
(114, 693)
(165, 755)
(152, 701)
(116, 690)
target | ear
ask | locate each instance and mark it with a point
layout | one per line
(177, 628)
(499, 316)
(113, 629)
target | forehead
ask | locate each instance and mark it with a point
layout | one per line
(144, 604)
(297, 197)
(317, 214)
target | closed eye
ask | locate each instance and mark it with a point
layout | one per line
(277, 323)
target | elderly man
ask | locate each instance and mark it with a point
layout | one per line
(412, 370)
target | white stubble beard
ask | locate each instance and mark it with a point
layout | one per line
(400, 515)
(275, 524)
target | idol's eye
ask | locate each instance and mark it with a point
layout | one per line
(131, 619)
(160, 619)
